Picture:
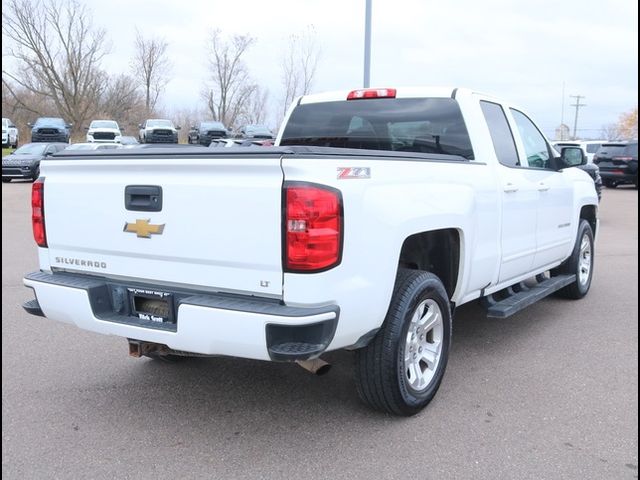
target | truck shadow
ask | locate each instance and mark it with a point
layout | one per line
(236, 397)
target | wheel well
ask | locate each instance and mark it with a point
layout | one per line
(437, 252)
(588, 212)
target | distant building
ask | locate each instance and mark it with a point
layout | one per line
(563, 132)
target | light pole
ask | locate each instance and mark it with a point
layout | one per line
(367, 44)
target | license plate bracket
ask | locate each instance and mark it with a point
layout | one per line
(154, 306)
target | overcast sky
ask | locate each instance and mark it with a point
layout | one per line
(520, 51)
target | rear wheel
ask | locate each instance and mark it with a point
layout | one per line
(6, 179)
(400, 371)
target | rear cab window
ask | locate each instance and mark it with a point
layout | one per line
(422, 125)
(501, 135)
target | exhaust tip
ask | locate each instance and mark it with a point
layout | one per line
(317, 366)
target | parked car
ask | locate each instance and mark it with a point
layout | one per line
(205, 132)
(255, 131)
(10, 134)
(104, 131)
(25, 161)
(49, 129)
(618, 163)
(230, 142)
(94, 146)
(590, 147)
(127, 141)
(158, 131)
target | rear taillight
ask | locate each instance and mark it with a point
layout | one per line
(372, 93)
(312, 227)
(37, 212)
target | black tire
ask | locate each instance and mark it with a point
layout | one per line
(572, 266)
(610, 184)
(6, 180)
(36, 173)
(381, 373)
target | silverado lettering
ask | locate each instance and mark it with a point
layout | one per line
(81, 263)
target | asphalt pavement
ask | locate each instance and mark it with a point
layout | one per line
(550, 393)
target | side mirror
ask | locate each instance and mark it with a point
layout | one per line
(86, 128)
(69, 125)
(572, 157)
(140, 126)
(178, 127)
(29, 124)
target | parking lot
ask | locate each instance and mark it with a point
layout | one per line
(549, 393)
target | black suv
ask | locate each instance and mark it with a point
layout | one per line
(205, 132)
(618, 163)
(48, 129)
(25, 161)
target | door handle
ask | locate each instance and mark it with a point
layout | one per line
(143, 198)
(543, 187)
(510, 188)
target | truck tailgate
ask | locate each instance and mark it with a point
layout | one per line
(221, 220)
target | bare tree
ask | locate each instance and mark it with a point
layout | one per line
(58, 54)
(230, 88)
(151, 67)
(255, 111)
(299, 66)
(610, 132)
(122, 101)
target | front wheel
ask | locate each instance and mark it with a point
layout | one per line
(6, 179)
(580, 264)
(400, 371)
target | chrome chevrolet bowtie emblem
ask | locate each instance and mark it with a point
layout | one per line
(143, 229)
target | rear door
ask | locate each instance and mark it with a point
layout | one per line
(218, 227)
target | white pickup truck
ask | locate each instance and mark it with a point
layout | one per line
(378, 212)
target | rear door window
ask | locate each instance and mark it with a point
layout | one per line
(425, 125)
